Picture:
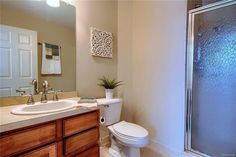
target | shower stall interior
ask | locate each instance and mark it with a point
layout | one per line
(211, 80)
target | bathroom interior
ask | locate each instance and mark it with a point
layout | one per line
(117, 78)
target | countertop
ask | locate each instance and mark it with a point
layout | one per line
(9, 121)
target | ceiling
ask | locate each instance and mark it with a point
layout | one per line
(65, 14)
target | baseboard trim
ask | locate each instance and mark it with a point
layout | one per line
(163, 150)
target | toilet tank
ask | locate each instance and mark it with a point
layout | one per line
(110, 110)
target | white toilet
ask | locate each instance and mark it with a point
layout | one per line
(126, 138)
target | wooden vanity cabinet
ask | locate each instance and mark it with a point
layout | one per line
(91, 152)
(47, 151)
(75, 136)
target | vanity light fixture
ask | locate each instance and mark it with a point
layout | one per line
(53, 3)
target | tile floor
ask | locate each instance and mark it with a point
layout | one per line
(104, 152)
(144, 153)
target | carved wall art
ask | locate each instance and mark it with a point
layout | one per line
(101, 43)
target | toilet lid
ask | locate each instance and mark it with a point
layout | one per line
(130, 130)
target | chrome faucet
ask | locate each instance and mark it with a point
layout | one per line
(35, 83)
(46, 91)
(44, 98)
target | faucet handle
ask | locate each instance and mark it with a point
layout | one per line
(43, 97)
(30, 100)
(50, 90)
(22, 92)
(59, 91)
(55, 96)
(45, 84)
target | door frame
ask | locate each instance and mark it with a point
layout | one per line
(189, 70)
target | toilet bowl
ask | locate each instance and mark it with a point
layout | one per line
(126, 138)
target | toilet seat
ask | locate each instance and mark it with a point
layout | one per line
(130, 130)
(126, 134)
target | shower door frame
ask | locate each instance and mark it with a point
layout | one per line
(189, 69)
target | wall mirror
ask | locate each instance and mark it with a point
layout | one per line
(37, 42)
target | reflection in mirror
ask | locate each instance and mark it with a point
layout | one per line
(37, 43)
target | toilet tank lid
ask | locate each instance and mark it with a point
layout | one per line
(105, 101)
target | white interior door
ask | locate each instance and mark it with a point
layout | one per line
(18, 60)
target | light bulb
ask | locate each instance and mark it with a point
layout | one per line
(53, 3)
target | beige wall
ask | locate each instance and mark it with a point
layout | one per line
(125, 57)
(52, 33)
(103, 15)
(151, 60)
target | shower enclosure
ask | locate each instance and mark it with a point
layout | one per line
(211, 80)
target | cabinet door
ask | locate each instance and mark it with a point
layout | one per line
(18, 142)
(92, 152)
(80, 123)
(47, 151)
(80, 142)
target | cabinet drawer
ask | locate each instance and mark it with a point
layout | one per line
(80, 142)
(24, 140)
(92, 152)
(80, 123)
(48, 151)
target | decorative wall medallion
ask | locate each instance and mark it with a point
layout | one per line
(101, 43)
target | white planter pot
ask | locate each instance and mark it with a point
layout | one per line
(109, 93)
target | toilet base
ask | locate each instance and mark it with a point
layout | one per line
(130, 152)
(119, 150)
(114, 152)
(125, 152)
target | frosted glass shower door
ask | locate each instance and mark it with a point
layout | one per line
(211, 81)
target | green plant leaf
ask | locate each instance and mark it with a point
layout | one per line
(109, 84)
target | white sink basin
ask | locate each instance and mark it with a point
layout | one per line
(40, 108)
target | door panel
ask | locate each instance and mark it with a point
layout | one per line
(5, 35)
(25, 63)
(5, 59)
(25, 39)
(4, 92)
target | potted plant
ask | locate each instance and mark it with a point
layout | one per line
(109, 85)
